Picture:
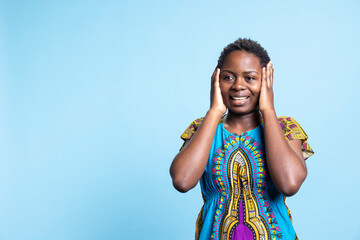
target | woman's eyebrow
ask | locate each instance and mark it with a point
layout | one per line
(246, 72)
(228, 71)
(251, 72)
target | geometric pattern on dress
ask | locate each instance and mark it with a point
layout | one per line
(241, 175)
(190, 131)
(292, 130)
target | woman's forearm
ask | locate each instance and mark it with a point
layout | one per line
(284, 159)
(189, 164)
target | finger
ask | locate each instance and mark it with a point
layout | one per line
(268, 73)
(263, 79)
(271, 74)
(264, 74)
(217, 77)
(213, 76)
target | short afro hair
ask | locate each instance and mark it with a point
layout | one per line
(247, 45)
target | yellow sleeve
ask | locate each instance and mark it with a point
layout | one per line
(190, 131)
(292, 130)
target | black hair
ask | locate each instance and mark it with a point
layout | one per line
(247, 45)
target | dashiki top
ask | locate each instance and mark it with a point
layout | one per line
(240, 200)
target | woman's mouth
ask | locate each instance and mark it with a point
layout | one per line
(239, 100)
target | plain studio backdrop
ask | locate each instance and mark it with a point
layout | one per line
(94, 96)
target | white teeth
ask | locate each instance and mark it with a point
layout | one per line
(240, 98)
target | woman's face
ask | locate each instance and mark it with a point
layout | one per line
(240, 82)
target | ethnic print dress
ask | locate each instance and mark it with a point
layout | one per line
(240, 200)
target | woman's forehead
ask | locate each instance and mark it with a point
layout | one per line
(241, 60)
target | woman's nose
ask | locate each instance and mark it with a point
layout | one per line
(239, 84)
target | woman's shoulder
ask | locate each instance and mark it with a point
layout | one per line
(292, 130)
(191, 129)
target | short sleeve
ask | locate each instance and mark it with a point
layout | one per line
(292, 130)
(190, 131)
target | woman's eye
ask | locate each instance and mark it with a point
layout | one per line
(227, 77)
(250, 78)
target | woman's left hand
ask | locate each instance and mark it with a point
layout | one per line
(266, 101)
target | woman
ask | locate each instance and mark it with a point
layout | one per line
(248, 160)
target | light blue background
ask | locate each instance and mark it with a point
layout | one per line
(94, 96)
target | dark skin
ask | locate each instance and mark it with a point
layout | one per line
(244, 88)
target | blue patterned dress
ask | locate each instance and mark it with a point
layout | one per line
(240, 200)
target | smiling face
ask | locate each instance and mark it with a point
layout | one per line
(240, 82)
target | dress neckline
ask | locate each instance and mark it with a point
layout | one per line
(243, 133)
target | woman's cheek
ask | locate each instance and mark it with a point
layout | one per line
(224, 96)
(256, 90)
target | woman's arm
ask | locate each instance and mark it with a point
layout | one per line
(284, 158)
(189, 164)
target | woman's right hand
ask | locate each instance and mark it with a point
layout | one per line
(216, 103)
(189, 164)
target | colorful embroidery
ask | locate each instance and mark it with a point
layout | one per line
(245, 201)
(292, 130)
(242, 199)
(219, 179)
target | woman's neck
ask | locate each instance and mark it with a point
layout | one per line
(235, 123)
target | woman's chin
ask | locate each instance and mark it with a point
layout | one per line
(242, 110)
